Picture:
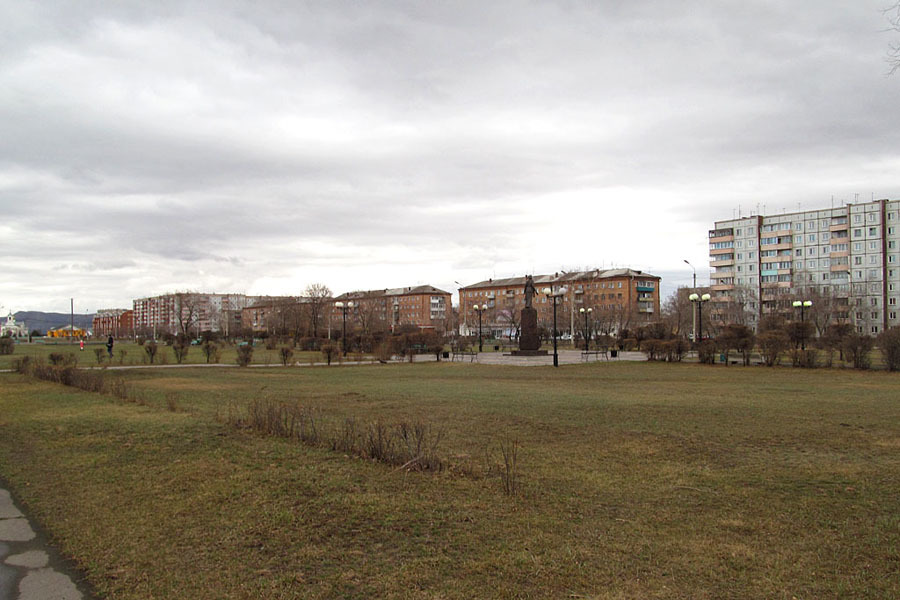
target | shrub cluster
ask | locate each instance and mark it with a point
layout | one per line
(67, 374)
(412, 446)
(7, 345)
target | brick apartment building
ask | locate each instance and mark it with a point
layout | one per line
(619, 299)
(117, 322)
(424, 306)
(845, 260)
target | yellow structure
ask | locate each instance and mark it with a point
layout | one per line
(67, 332)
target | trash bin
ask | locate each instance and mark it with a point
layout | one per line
(721, 358)
(613, 353)
(445, 354)
(496, 348)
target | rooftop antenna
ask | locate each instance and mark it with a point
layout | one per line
(832, 201)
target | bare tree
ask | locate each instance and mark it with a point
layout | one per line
(187, 311)
(370, 315)
(678, 311)
(317, 297)
(892, 14)
(510, 316)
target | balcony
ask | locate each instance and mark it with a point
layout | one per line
(725, 262)
(721, 287)
(721, 233)
(718, 251)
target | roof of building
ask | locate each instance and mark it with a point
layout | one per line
(403, 291)
(561, 277)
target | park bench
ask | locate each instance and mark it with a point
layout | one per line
(586, 354)
(462, 354)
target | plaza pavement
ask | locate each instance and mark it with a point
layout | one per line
(29, 568)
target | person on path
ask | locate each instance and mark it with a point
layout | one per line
(109, 346)
(81, 344)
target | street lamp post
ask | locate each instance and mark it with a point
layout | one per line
(344, 308)
(699, 300)
(693, 312)
(587, 332)
(554, 297)
(480, 310)
(802, 306)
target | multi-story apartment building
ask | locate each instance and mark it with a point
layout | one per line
(189, 312)
(844, 259)
(424, 306)
(117, 322)
(619, 299)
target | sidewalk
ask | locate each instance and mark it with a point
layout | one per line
(29, 568)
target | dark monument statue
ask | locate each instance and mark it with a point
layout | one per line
(529, 340)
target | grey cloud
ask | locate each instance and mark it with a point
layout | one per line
(253, 138)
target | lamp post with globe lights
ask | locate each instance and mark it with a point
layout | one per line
(480, 310)
(699, 300)
(587, 331)
(344, 307)
(802, 305)
(554, 298)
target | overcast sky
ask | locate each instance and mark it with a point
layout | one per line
(262, 146)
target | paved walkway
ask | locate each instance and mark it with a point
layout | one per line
(29, 568)
(566, 357)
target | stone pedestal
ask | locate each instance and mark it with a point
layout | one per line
(529, 340)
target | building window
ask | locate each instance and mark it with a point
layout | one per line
(873, 231)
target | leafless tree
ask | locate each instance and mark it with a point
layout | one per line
(318, 296)
(892, 14)
(370, 315)
(678, 312)
(187, 310)
(510, 316)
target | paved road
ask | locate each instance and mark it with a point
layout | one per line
(29, 568)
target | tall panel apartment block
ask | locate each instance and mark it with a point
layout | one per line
(847, 255)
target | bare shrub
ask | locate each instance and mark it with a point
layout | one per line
(151, 349)
(181, 348)
(329, 351)
(122, 355)
(286, 354)
(212, 351)
(889, 344)
(857, 348)
(772, 344)
(99, 352)
(244, 355)
(172, 401)
(7, 345)
(509, 450)
(706, 352)
(413, 447)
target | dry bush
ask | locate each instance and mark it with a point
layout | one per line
(286, 354)
(151, 348)
(7, 345)
(889, 344)
(413, 447)
(244, 355)
(509, 450)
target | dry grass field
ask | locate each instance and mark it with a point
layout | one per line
(635, 480)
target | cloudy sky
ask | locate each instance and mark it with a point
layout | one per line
(262, 146)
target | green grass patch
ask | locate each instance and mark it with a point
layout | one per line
(635, 481)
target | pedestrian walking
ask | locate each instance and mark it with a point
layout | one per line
(109, 346)
(81, 344)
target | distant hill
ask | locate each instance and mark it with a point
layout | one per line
(44, 321)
